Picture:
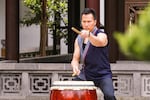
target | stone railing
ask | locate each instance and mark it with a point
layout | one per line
(32, 81)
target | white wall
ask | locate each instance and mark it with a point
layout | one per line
(29, 36)
(2, 22)
(102, 11)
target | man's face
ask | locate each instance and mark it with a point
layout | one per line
(88, 22)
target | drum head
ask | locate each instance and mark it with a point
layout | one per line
(74, 85)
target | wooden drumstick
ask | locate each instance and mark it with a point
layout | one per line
(73, 74)
(76, 30)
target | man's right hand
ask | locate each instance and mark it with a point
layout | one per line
(76, 71)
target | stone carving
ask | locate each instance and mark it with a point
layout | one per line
(11, 83)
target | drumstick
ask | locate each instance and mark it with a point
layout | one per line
(73, 74)
(76, 30)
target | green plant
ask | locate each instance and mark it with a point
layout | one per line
(49, 14)
(135, 42)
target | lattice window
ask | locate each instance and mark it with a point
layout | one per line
(134, 13)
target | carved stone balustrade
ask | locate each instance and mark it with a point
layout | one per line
(32, 81)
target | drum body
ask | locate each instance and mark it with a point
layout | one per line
(73, 90)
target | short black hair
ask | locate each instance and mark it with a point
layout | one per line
(89, 11)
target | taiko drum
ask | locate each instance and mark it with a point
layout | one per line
(73, 90)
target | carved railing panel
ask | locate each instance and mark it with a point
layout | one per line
(10, 83)
(65, 77)
(123, 84)
(40, 83)
(145, 85)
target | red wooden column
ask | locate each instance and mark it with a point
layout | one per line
(95, 5)
(12, 30)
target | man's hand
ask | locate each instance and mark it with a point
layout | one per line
(85, 33)
(76, 71)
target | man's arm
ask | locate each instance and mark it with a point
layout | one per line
(99, 41)
(76, 59)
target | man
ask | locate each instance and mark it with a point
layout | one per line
(90, 49)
